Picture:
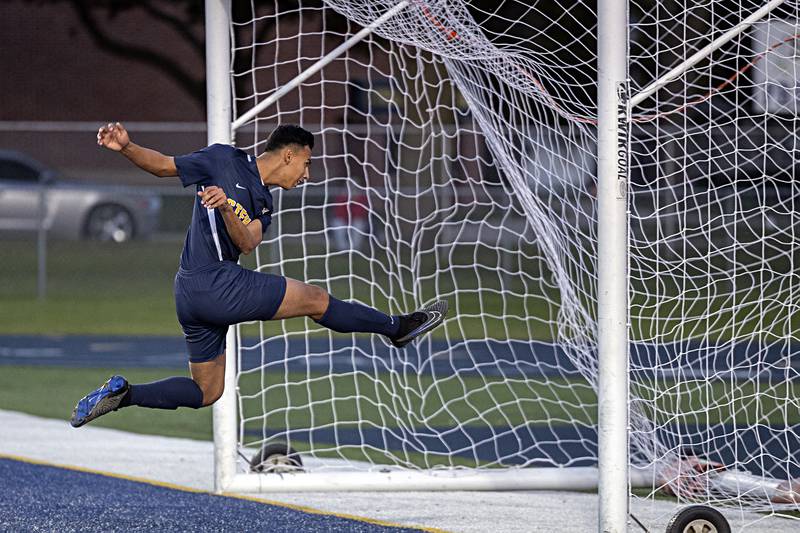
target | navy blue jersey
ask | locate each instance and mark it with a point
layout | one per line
(207, 240)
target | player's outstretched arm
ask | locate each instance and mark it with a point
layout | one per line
(246, 238)
(115, 137)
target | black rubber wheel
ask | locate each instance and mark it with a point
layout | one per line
(110, 223)
(276, 458)
(698, 519)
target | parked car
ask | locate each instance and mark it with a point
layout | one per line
(74, 210)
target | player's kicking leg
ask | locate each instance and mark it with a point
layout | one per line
(202, 389)
(208, 372)
(302, 299)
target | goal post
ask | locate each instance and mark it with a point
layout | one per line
(613, 164)
(219, 114)
(606, 196)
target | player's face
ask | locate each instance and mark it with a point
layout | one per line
(298, 163)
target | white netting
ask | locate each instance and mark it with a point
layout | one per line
(456, 159)
(713, 251)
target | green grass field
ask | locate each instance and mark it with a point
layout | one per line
(103, 289)
(390, 400)
(52, 392)
(99, 288)
(92, 288)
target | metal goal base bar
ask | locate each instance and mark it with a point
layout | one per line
(574, 478)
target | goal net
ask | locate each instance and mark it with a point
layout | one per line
(456, 158)
(713, 250)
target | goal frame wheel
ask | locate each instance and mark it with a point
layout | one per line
(276, 458)
(698, 519)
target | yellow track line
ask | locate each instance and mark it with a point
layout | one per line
(182, 488)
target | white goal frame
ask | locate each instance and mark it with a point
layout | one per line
(613, 478)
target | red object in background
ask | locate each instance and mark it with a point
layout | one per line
(350, 208)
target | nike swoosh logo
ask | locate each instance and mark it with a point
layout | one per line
(240, 187)
(435, 315)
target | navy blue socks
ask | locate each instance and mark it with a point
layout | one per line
(353, 317)
(169, 393)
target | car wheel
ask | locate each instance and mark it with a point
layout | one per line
(111, 223)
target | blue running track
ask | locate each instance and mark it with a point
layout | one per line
(35, 497)
(343, 353)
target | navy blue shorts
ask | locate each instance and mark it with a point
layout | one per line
(211, 298)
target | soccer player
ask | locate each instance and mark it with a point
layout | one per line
(232, 210)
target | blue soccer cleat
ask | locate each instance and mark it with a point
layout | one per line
(420, 322)
(99, 402)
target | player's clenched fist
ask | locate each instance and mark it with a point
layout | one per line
(113, 136)
(213, 197)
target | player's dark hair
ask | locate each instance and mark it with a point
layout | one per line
(287, 134)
